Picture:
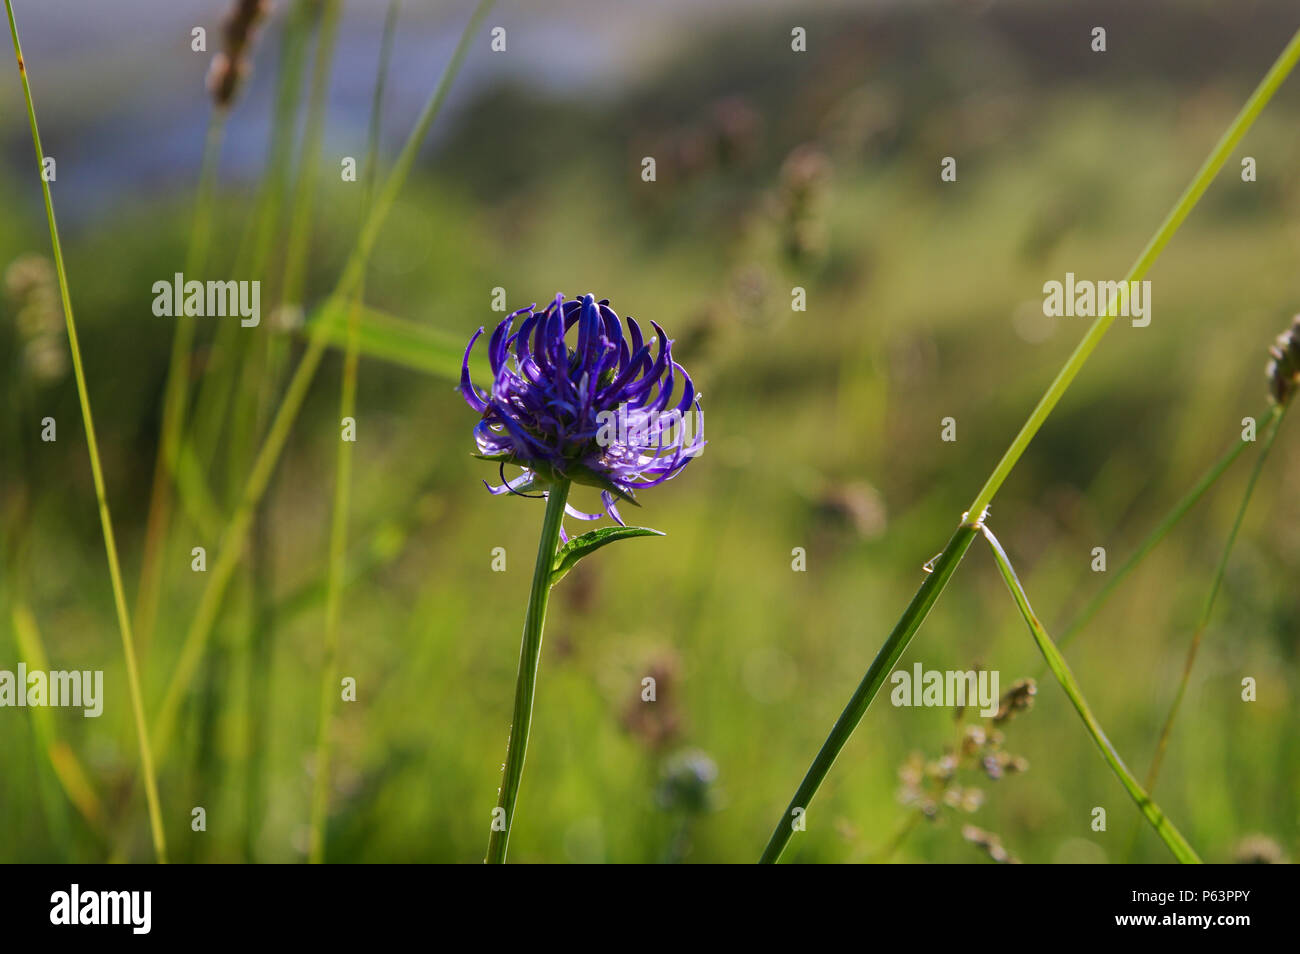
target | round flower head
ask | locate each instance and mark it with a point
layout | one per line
(600, 412)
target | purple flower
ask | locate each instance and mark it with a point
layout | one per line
(604, 411)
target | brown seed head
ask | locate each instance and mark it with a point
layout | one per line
(231, 65)
(1284, 368)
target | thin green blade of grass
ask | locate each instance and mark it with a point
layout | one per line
(403, 342)
(343, 485)
(1168, 833)
(66, 767)
(97, 473)
(176, 395)
(1152, 540)
(1271, 430)
(912, 617)
(217, 391)
(1219, 155)
(254, 385)
(302, 209)
(1272, 425)
(232, 543)
(940, 572)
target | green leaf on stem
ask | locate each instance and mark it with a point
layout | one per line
(567, 557)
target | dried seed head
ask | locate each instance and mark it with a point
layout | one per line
(990, 843)
(1259, 850)
(1016, 699)
(657, 723)
(31, 289)
(1284, 368)
(974, 739)
(231, 65)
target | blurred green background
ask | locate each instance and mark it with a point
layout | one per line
(775, 170)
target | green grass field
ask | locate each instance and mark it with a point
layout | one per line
(923, 302)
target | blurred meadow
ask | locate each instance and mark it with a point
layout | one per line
(775, 169)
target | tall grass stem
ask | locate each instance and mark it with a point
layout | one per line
(236, 534)
(940, 572)
(97, 473)
(175, 396)
(343, 485)
(1272, 426)
(934, 584)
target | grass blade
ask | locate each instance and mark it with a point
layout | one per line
(1273, 424)
(940, 572)
(300, 215)
(343, 488)
(400, 341)
(236, 534)
(1179, 510)
(1056, 662)
(932, 587)
(67, 768)
(175, 397)
(1281, 68)
(101, 494)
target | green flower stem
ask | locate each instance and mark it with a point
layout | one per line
(530, 653)
(97, 472)
(933, 586)
(1056, 662)
(941, 570)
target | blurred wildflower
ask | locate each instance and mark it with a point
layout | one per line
(32, 290)
(687, 783)
(230, 66)
(857, 504)
(736, 128)
(596, 413)
(991, 844)
(750, 290)
(1019, 698)
(657, 723)
(1284, 368)
(932, 785)
(1259, 850)
(725, 139)
(582, 590)
(864, 123)
(805, 180)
